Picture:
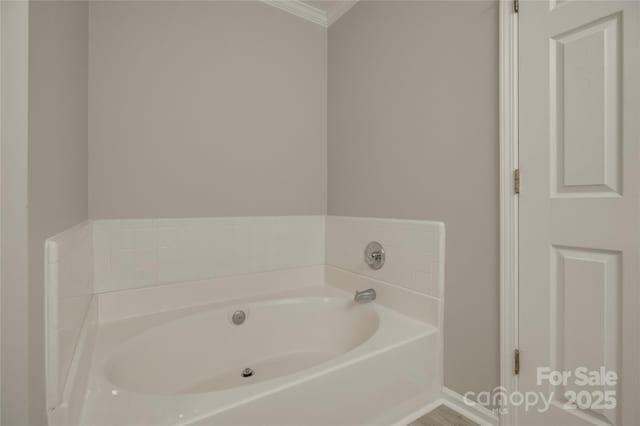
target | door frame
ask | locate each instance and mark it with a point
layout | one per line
(508, 128)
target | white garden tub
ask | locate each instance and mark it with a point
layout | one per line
(317, 357)
(206, 352)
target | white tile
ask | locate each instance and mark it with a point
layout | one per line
(414, 250)
(138, 253)
(69, 286)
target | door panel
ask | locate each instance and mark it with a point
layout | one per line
(584, 92)
(585, 334)
(579, 205)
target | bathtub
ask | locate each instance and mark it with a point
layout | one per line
(303, 356)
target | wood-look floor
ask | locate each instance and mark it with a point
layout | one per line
(443, 416)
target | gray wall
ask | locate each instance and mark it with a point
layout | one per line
(219, 108)
(205, 109)
(413, 133)
(14, 125)
(58, 196)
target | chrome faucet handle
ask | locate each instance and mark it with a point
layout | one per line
(374, 255)
(365, 296)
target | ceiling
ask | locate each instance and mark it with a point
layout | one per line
(321, 12)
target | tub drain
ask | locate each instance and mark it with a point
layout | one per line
(247, 372)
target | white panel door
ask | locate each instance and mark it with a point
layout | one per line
(579, 80)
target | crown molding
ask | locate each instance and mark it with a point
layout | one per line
(301, 9)
(313, 14)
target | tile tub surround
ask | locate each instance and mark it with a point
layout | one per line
(415, 252)
(69, 288)
(137, 253)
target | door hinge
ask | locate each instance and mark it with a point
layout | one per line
(516, 362)
(516, 181)
(516, 6)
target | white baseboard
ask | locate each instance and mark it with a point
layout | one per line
(474, 411)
